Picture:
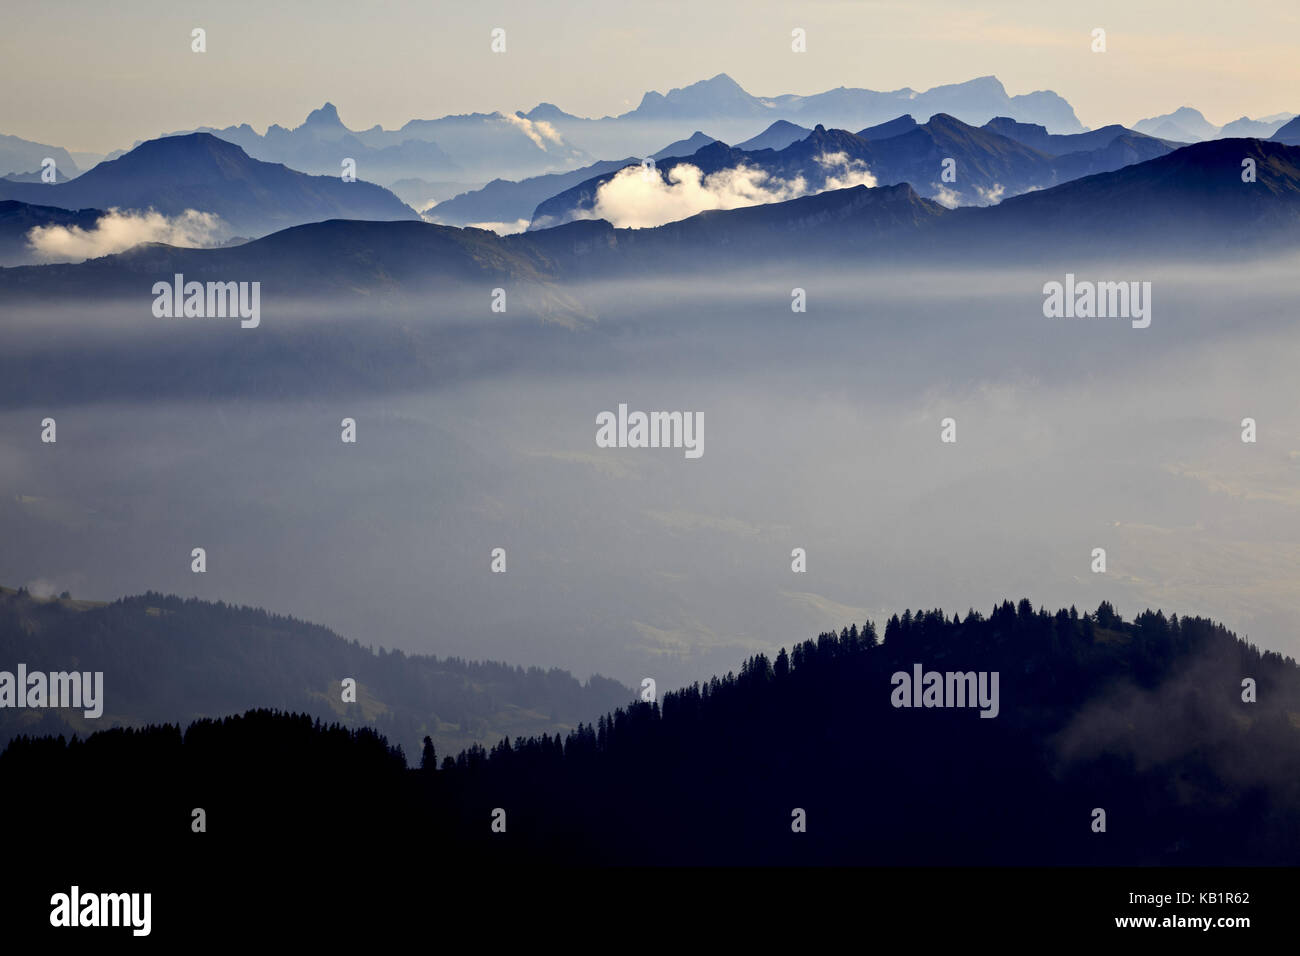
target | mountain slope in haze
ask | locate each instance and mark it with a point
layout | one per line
(422, 194)
(1124, 150)
(1188, 125)
(207, 174)
(1037, 137)
(511, 203)
(1185, 125)
(369, 308)
(1192, 198)
(838, 223)
(507, 201)
(1289, 133)
(777, 136)
(35, 176)
(546, 139)
(18, 155)
(975, 101)
(320, 261)
(1188, 203)
(726, 110)
(18, 219)
(1247, 128)
(890, 128)
(168, 659)
(1034, 719)
(684, 147)
(450, 148)
(490, 145)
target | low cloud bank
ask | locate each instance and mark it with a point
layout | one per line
(117, 231)
(639, 198)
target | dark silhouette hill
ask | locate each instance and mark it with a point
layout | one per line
(170, 659)
(1194, 197)
(1146, 720)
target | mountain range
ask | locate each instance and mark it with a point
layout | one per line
(1004, 157)
(432, 161)
(727, 111)
(1188, 125)
(450, 148)
(1191, 201)
(546, 139)
(989, 161)
(21, 156)
(202, 172)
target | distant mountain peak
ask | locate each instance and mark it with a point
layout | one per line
(718, 93)
(545, 111)
(190, 145)
(720, 81)
(327, 115)
(686, 147)
(204, 172)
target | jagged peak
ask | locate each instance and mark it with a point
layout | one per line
(326, 115)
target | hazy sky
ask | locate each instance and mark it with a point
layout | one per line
(97, 76)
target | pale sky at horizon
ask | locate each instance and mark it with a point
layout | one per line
(90, 76)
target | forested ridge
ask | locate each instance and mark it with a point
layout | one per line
(1143, 719)
(172, 659)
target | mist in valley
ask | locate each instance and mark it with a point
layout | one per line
(822, 428)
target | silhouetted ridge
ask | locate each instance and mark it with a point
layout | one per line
(166, 658)
(1145, 719)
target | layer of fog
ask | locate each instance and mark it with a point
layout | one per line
(822, 431)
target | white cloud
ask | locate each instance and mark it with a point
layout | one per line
(843, 173)
(639, 199)
(500, 228)
(41, 588)
(540, 131)
(946, 197)
(117, 231)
